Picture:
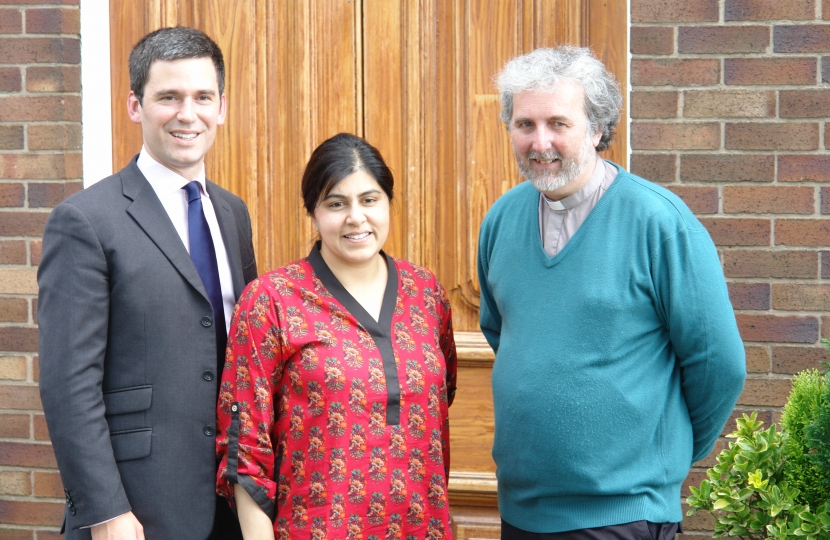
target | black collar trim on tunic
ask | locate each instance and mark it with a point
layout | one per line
(380, 330)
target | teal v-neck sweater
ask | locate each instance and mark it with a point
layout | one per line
(618, 360)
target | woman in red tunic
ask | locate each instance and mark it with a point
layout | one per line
(338, 376)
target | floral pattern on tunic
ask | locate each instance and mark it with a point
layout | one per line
(304, 405)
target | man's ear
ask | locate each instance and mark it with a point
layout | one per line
(134, 108)
(596, 138)
(222, 111)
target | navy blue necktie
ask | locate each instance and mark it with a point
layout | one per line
(203, 255)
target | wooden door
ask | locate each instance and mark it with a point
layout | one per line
(415, 78)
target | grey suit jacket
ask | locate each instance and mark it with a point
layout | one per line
(128, 357)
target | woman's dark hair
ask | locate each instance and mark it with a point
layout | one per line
(335, 159)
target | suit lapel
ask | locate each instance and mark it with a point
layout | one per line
(147, 211)
(230, 236)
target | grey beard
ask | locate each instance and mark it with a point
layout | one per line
(570, 171)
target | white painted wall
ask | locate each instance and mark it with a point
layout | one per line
(95, 87)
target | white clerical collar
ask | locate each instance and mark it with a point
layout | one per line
(163, 180)
(575, 199)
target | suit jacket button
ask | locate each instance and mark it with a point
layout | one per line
(209, 431)
(207, 375)
(72, 510)
(206, 321)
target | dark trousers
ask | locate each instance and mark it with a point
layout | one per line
(225, 523)
(637, 530)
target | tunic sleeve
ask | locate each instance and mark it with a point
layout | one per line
(447, 342)
(254, 361)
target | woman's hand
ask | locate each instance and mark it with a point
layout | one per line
(256, 525)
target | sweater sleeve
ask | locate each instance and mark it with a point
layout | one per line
(489, 316)
(245, 411)
(694, 302)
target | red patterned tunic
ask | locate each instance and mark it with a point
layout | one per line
(336, 424)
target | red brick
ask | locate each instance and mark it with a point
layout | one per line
(769, 71)
(727, 168)
(15, 483)
(55, 136)
(34, 311)
(20, 397)
(700, 199)
(14, 368)
(766, 200)
(811, 38)
(12, 195)
(740, 263)
(791, 360)
(16, 339)
(11, 137)
(722, 39)
(675, 136)
(41, 534)
(804, 168)
(825, 264)
(800, 297)
(17, 454)
(53, 79)
(53, 21)
(729, 103)
(654, 104)
(649, 11)
(31, 513)
(11, 21)
(41, 50)
(693, 479)
(22, 224)
(14, 310)
(738, 232)
(675, 72)
(14, 426)
(40, 108)
(766, 10)
(772, 136)
(757, 359)
(783, 329)
(35, 246)
(46, 166)
(49, 194)
(655, 167)
(701, 521)
(15, 534)
(10, 79)
(749, 295)
(48, 484)
(802, 232)
(765, 392)
(804, 103)
(652, 40)
(825, 200)
(12, 252)
(41, 430)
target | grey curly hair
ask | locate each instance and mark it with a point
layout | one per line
(544, 68)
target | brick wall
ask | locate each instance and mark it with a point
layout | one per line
(40, 163)
(729, 110)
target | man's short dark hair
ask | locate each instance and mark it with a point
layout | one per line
(172, 44)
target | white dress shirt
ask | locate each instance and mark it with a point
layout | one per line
(169, 187)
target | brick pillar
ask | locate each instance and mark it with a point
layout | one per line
(729, 108)
(40, 164)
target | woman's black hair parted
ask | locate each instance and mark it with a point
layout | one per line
(335, 159)
(172, 44)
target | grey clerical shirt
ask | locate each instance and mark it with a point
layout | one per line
(559, 220)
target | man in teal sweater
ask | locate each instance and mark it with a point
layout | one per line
(618, 359)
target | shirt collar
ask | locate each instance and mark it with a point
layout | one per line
(575, 199)
(163, 180)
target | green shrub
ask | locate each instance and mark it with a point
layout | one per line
(748, 494)
(804, 471)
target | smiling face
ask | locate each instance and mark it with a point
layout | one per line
(552, 140)
(179, 113)
(353, 221)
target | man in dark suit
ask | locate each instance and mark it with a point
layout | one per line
(138, 280)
